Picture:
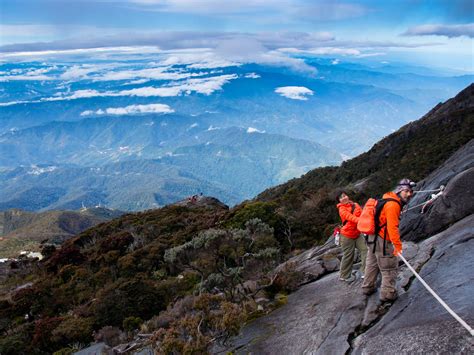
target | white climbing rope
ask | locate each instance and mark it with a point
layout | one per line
(459, 319)
(441, 188)
(433, 197)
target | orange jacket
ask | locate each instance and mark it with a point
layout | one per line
(349, 230)
(390, 215)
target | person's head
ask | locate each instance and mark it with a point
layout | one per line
(342, 197)
(404, 189)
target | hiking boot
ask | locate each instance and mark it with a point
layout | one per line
(349, 279)
(384, 306)
(368, 291)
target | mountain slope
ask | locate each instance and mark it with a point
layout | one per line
(22, 230)
(414, 151)
(328, 316)
(193, 273)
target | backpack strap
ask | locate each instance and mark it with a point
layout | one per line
(352, 211)
(378, 210)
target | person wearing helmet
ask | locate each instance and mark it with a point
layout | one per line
(387, 244)
(351, 238)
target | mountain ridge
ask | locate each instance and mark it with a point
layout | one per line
(189, 274)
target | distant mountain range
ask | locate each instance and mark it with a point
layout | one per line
(232, 164)
(138, 134)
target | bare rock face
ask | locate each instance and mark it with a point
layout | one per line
(327, 316)
(332, 317)
(315, 262)
(416, 321)
(317, 319)
(456, 202)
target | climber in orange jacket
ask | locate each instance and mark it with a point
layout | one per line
(350, 237)
(384, 247)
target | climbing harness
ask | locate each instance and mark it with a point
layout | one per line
(459, 319)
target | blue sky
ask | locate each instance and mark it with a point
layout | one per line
(431, 33)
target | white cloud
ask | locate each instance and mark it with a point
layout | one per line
(374, 54)
(11, 103)
(205, 86)
(150, 91)
(324, 51)
(78, 72)
(160, 73)
(28, 77)
(251, 49)
(80, 94)
(31, 74)
(197, 58)
(442, 30)
(252, 76)
(254, 130)
(136, 82)
(39, 71)
(294, 92)
(335, 62)
(131, 110)
(81, 51)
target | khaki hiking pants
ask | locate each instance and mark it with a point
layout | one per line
(348, 246)
(388, 266)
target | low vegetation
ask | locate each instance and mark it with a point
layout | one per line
(190, 276)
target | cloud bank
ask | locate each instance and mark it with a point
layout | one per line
(294, 92)
(131, 110)
(442, 30)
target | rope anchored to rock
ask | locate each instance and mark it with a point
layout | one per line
(441, 188)
(430, 201)
(459, 319)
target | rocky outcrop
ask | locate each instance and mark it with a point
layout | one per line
(315, 262)
(456, 201)
(326, 316)
(331, 317)
(201, 201)
(416, 321)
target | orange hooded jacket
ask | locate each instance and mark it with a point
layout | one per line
(349, 230)
(390, 215)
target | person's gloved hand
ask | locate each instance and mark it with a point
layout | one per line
(397, 251)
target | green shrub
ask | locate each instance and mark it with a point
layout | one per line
(197, 320)
(73, 330)
(264, 211)
(127, 298)
(43, 333)
(13, 344)
(131, 323)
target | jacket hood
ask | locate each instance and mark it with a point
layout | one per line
(393, 195)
